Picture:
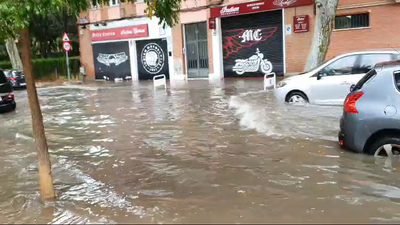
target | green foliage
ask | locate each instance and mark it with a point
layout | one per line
(5, 65)
(166, 10)
(4, 57)
(46, 33)
(46, 69)
(17, 14)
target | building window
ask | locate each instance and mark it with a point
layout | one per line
(94, 6)
(352, 21)
(114, 2)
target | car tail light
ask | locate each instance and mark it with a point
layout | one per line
(13, 78)
(350, 102)
(10, 96)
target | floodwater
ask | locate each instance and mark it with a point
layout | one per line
(199, 152)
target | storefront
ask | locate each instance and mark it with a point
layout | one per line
(249, 38)
(136, 49)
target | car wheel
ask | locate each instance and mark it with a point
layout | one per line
(384, 147)
(296, 98)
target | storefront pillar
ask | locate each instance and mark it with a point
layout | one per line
(217, 51)
(133, 55)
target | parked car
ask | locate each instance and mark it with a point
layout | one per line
(329, 83)
(7, 101)
(16, 77)
(371, 117)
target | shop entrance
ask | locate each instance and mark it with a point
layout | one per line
(253, 44)
(196, 50)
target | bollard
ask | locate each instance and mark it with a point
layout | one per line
(269, 81)
(160, 82)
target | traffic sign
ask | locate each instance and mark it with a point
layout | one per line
(66, 46)
(65, 38)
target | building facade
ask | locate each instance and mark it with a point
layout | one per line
(217, 39)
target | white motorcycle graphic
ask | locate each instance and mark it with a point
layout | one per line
(253, 64)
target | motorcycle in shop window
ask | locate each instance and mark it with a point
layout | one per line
(253, 44)
(253, 64)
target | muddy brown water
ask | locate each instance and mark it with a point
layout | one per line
(199, 152)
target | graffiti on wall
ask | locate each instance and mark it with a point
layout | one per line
(108, 59)
(153, 58)
(111, 61)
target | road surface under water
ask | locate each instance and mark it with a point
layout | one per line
(197, 153)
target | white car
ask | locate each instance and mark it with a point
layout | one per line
(329, 83)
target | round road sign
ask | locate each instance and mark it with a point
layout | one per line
(66, 46)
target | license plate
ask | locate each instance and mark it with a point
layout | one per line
(23, 84)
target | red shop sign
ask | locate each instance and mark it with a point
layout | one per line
(137, 31)
(301, 24)
(252, 7)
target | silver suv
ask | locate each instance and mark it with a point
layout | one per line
(371, 116)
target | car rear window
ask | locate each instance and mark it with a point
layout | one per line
(17, 73)
(365, 79)
(3, 78)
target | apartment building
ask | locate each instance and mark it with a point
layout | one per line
(216, 39)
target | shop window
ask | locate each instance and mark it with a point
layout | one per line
(114, 2)
(352, 21)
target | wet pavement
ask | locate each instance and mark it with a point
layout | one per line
(199, 152)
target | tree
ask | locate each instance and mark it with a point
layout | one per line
(13, 53)
(46, 32)
(325, 16)
(15, 20)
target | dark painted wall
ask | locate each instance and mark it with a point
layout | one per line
(112, 60)
(152, 58)
(269, 41)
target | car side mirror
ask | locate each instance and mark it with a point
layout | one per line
(320, 74)
(352, 87)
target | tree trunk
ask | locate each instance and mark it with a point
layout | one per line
(324, 18)
(43, 49)
(13, 53)
(45, 174)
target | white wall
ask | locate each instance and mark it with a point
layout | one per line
(217, 51)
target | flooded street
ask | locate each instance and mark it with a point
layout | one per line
(197, 153)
